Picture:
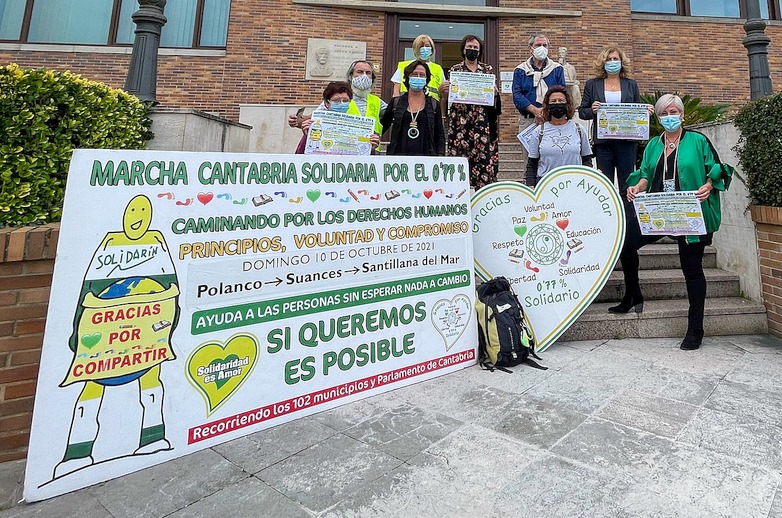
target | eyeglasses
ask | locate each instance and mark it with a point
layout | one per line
(416, 74)
(536, 45)
(339, 100)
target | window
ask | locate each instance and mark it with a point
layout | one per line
(11, 15)
(191, 23)
(718, 8)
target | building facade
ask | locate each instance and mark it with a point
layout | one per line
(221, 55)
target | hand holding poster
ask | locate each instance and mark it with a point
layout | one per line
(628, 121)
(676, 213)
(334, 133)
(470, 88)
(212, 295)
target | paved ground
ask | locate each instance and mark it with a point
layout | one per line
(613, 428)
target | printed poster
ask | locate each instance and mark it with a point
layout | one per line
(472, 88)
(669, 214)
(200, 297)
(628, 121)
(334, 133)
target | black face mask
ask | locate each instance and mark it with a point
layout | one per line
(557, 111)
(471, 54)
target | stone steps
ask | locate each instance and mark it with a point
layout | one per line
(669, 284)
(668, 318)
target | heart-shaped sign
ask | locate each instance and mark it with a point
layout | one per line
(520, 230)
(450, 318)
(217, 370)
(90, 341)
(428, 193)
(313, 194)
(559, 268)
(205, 197)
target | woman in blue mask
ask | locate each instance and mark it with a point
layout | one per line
(677, 160)
(423, 49)
(414, 117)
(612, 85)
(337, 97)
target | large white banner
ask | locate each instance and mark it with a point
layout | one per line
(199, 297)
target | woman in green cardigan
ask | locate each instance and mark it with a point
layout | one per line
(679, 160)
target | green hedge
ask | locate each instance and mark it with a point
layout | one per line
(44, 116)
(760, 149)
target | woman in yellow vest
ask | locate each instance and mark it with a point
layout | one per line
(423, 49)
(361, 75)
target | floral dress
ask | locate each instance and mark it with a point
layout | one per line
(473, 134)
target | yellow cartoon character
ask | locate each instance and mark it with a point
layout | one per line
(122, 333)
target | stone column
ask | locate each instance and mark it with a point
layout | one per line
(756, 41)
(142, 74)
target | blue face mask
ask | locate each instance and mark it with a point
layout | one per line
(417, 83)
(425, 53)
(340, 106)
(671, 122)
(613, 67)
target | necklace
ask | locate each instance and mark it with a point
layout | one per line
(413, 131)
(672, 143)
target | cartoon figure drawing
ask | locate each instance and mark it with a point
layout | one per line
(126, 315)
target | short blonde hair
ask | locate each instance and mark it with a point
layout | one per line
(421, 41)
(599, 63)
(665, 101)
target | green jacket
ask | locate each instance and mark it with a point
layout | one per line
(696, 161)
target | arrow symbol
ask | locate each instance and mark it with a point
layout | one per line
(275, 282)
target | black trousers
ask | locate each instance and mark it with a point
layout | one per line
(619, 155)
(690, 258)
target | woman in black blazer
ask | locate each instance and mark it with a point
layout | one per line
(611, 86)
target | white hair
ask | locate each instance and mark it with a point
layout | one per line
(665, 101)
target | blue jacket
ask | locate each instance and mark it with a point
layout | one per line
(524, 92)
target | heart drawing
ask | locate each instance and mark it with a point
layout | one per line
(575, 228)
(205, 197)
(450, 318)
(218, 370)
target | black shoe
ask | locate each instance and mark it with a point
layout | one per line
(629, 303)
(692, 341)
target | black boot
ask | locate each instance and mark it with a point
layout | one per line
(629, 303)
(692, 340)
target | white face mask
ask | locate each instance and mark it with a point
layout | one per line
(362, 83)
(540, 53)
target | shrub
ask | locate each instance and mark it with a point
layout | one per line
(695, 112)
(44, 116)
(760, 149)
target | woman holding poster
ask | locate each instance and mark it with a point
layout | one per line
(337, 97)
(414, 117)
(612, 85)
(472, 128)
(559, 140)
(677, 160)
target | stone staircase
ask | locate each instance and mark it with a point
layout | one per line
(664, 289)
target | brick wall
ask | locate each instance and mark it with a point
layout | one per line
(267, 44)
(768, 221)
(26, 265)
